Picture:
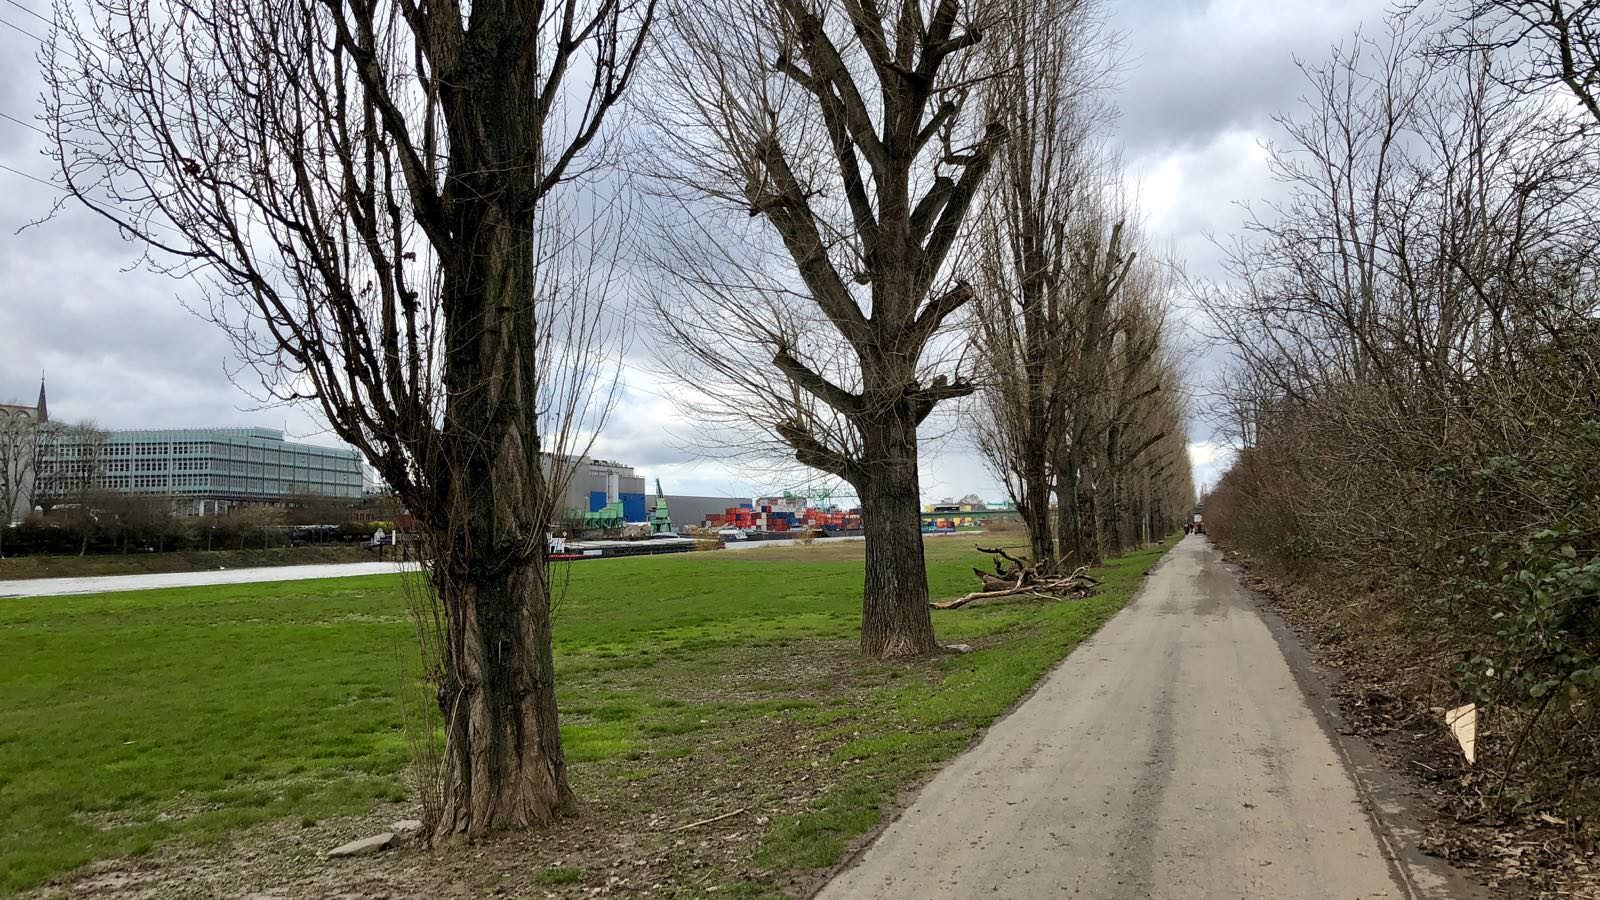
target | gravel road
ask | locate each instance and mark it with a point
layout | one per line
(1173, 755)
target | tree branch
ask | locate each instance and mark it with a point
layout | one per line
(817, 386)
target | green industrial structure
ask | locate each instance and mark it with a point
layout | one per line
(660, 519)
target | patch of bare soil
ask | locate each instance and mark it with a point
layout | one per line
(682, 817)
(1390, 694)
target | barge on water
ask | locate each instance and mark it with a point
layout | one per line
(562, 549)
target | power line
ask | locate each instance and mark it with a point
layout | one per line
(73, 38)
(4, 115)
(56, 187)
(48, 184)
(16, 27)
(31, 12)
(77, 36)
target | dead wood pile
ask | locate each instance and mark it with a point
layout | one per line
(1021, 578)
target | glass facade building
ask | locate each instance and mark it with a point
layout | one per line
(207, 470)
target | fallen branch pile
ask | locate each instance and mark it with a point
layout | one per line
(1022, 578)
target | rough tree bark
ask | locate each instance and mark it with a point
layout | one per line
(1076, 519)
(895, 619)
(1111, 509)
(505, 766)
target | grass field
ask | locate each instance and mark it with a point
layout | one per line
(129, 721)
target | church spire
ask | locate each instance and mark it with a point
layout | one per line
(43, 409)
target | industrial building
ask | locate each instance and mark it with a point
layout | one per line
(592, 484)
(689, 510)
(209, 470)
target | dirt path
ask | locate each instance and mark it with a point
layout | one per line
(1171, 756)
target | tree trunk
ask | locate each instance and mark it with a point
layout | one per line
(504, 767)
(1067, 514)
(1035, 512)
(1088, 511)
(1111, 533)
(1112, 537)
(1075, 512)
(895, 618)
(1041, 357)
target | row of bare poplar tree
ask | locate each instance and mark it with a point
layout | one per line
(980, 248)
(1416, 371)
(1081, 398)
(404, 211)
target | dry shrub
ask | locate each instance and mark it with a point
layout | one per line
(1473, 528)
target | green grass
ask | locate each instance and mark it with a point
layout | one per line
(128, 720)
(555, 875)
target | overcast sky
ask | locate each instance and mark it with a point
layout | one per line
(1200, 83)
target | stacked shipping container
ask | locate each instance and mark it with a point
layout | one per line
(784, 515)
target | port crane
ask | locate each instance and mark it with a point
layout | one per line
(660, 518)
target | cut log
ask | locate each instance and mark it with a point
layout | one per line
(1023, 579)
(995, 583)
(1064, 589)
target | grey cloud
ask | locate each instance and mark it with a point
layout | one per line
(1196, 68)
(119, 349)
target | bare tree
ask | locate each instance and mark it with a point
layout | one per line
(1102, 256)
(844, 129)
(368, 187)
(1419, 200)
(1087, 370)
(72, 464)
(1415, 373)
(1151, 486)
(19, 443)
(1135, 415)
(1559, 40)
(1048, 191)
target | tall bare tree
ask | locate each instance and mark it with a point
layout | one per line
(368, 188)
(1048, 191)
(1140, 410)
(19, 446)
(1101, 256)
(71, 464)
(844, 128)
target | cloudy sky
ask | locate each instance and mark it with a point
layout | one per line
(1199, 85)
